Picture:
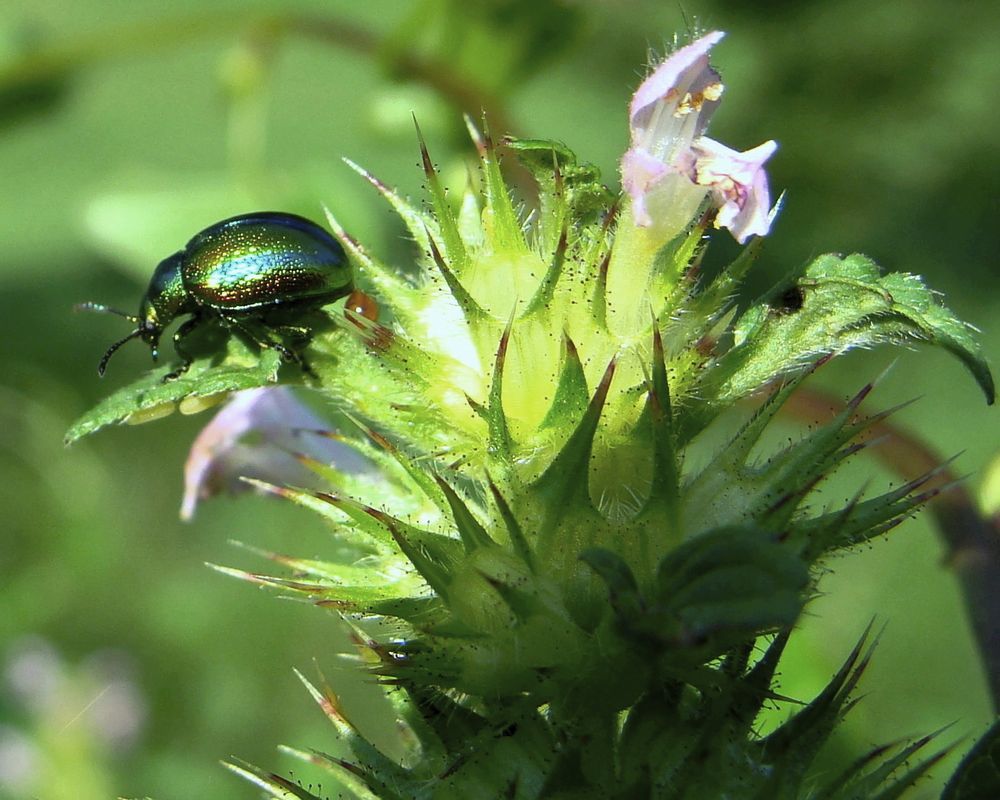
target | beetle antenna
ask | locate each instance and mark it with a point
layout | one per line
(111, 351)
(103, 309)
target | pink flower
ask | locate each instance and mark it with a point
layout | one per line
(257, 435)
(671, 167)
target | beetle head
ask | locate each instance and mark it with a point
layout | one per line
(149, 326)
(161, 303)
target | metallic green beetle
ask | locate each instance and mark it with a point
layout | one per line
(253, 273)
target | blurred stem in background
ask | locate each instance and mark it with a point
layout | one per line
(439, 43)
(472, 55)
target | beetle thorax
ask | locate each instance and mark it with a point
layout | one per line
(165, 298)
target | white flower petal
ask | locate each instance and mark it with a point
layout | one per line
(676, 71)
(739, 186)
(671, 165)
(257, 434)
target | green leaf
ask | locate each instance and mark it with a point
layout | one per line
(726, 586)
(273, 785)
(542, 299)
(418, 224)
(474, 536)
(792, 747)
(541, 156)
(150, 398)
(562, 180)
(518, 542)
(359, 599)
(358, 788)
(623, 591)
(838, 304)
(565, 481)
(454, 246)
(876, 774)
(501, 222)
(663, 495)
(571, 397)
(978, 776)
(499, 443)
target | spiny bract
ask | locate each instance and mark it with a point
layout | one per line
(557, 603)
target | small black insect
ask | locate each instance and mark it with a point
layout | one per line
(790, 300)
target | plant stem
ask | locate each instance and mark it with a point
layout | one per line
(58, 62)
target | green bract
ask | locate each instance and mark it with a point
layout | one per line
(577, 610)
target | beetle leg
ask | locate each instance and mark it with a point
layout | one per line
(186, 358)
(298, 331)
(302, 335)
(286, 353)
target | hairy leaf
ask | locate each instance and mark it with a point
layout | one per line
(149, 397)
(840, 303)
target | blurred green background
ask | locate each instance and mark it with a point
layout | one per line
(129, 668)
